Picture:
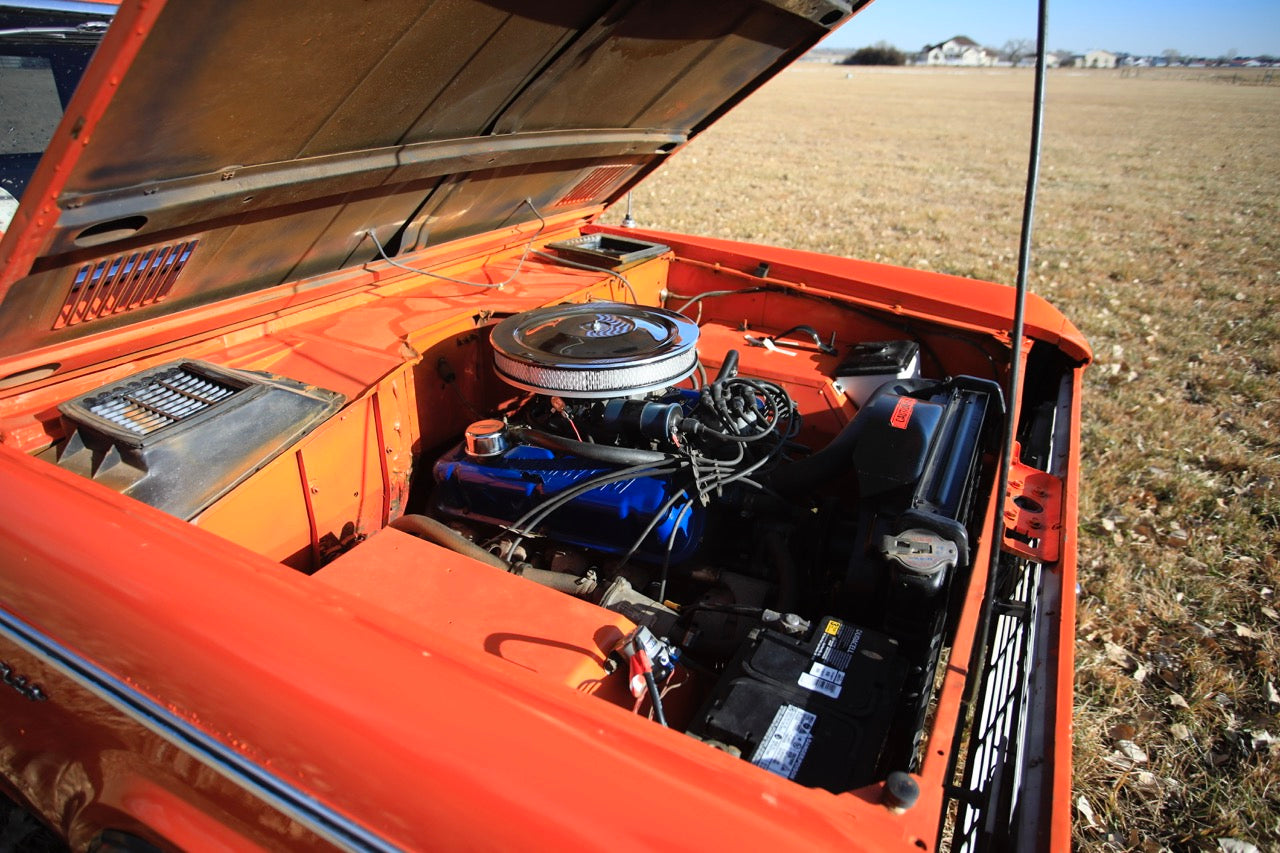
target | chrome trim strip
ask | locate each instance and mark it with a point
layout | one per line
(101, 9)
(271, 789)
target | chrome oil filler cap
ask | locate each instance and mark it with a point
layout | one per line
(487, 438)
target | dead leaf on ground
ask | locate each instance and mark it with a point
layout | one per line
(1121, 657)
(1086, 811)
(1123, 731)
(1170, 679)
(1245, 631)
(1261, 740)
(1132, 751)
(1235, 845)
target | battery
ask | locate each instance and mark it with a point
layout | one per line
(816, 712)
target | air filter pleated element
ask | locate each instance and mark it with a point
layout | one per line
(601, 349)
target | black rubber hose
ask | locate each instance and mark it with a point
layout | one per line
(836, 458)
(562, 581)
(788, 574)
(728, 367)
(595, 452)
(445, 536)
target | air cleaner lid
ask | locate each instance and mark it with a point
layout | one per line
(600, 349)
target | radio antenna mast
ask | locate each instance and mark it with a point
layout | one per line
(1014, 388)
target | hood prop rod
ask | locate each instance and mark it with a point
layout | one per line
(1015, 367)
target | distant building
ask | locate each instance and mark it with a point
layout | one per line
(1052, 59)
(958, 50)
(1099, 59)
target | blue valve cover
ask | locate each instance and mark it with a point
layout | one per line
(501, 489)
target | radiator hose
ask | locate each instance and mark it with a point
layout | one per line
(801, 477)
(425, 527)
(439, 533)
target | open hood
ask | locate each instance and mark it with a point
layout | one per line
(215, 148)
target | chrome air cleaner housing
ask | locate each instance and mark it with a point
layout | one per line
(595, 350)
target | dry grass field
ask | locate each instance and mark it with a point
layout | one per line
(1158, 233)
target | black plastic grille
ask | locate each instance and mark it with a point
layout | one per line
(143, 408)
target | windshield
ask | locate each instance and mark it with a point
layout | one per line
(44, 49)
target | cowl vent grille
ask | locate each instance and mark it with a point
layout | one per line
(181, 435)
(175, 395)
(122, 283)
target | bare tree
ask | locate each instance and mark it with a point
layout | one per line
(1015, 49)
(1172, 55)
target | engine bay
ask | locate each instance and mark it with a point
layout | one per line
(758, 533)
(806, 592)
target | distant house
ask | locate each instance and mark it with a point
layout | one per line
(958, 50)
(1052, 59)
(1099, 59)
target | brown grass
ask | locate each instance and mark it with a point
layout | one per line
(1157, 232)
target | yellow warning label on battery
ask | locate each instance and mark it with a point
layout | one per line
(833, 627)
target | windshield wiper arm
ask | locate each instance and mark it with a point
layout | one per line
(88, 32)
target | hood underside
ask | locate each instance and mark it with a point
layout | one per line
(217, 148)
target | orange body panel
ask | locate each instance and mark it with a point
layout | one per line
(395, 639)
(538, 629)
(287, 672)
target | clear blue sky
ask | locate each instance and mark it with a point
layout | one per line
(1144, 27)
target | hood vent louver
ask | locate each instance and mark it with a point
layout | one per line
(122, 283)
(594, 186)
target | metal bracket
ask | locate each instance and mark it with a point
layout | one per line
(1033, 513)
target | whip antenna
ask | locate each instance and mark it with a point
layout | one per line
(1014, 387)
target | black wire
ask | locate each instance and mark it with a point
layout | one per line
(525, 525)
(738, 609)
(656, 698)
(653, 523)
(538, 513)
(458, 391)
(666, 557)
(726, 417)
(707, 474)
